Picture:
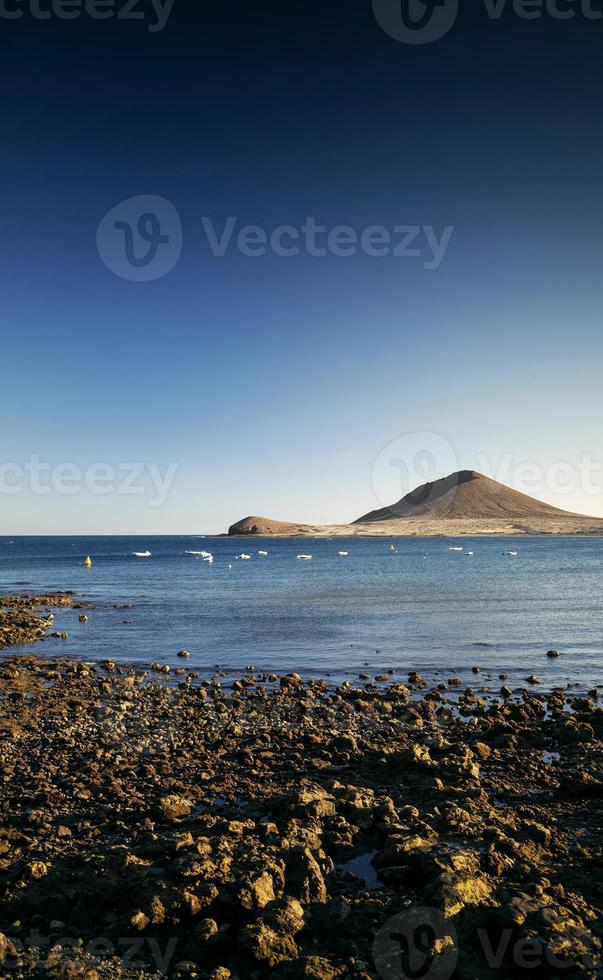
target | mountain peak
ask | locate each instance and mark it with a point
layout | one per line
(465, 495)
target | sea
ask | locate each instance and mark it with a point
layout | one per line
(406, 604)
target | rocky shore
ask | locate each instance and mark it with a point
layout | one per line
(163, 824)
(19, 625)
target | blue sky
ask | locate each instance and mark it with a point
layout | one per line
(274, 384)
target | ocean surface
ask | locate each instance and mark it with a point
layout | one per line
(423, 607)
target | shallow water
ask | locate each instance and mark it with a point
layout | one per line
(423, 607)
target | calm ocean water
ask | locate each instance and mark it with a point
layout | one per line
(423, 607)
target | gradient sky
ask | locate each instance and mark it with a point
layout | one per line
(276, 385)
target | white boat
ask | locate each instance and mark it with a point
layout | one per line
(264, 553)
(469, 554)
(455, 549)
(304, 557)
(344, 554)
(142, 554)
(199, 554)
(244, 557)
(512, 554)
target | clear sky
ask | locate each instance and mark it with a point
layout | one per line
(279, 385)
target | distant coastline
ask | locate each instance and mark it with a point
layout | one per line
(464, 504)
(583, 527)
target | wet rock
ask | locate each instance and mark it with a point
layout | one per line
(205, 930)
(304, 877)
(290, 680)
(139, 921)
(399, 850)
(257, 892)
(285, 916)
(321, 968)
(187, 968)
(7, 948)
(453, 891)
(173, 807)
(267, 947)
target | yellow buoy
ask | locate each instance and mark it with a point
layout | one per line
(88, 562)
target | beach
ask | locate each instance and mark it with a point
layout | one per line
(155, 822)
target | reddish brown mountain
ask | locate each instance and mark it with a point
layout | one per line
(465, 496)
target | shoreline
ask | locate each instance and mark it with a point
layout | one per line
(421, 527)
(285, 828)
(28, 618)
(347, 532)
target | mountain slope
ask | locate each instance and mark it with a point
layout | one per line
(265, 526)
(467, 495)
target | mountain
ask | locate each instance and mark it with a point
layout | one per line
(465, 496)
(464, 503)
(266, 526)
